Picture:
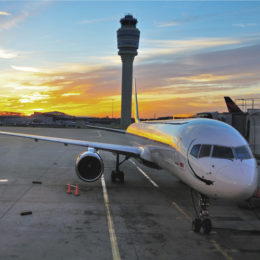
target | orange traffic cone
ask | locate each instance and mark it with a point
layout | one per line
(69, 190)
(76, 191)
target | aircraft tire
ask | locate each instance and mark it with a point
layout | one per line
(113, 176)
(121, 177)
(117, 177)
(196, 225)
(206, 226)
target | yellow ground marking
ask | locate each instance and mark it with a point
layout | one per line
(182, 211)
(215, 244)
(221, 250)
(187, 216)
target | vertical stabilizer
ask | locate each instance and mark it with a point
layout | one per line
(232, 106)
(137, 120)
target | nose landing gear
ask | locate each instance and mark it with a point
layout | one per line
(202, 222)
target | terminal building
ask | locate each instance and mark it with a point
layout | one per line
(246, 121)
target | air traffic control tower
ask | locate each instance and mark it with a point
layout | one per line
(127, 43)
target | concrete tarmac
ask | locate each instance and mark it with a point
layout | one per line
(134, 220)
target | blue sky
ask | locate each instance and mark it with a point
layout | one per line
(190, 52)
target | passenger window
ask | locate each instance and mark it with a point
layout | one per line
(195, 150)
(205, 150)
(222, 152)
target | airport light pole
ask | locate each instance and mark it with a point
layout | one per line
(127, 42)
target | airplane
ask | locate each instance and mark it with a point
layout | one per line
(209, 156)
(232, 106)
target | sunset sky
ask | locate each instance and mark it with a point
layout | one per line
(62, 56)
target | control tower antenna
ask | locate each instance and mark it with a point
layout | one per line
(127, 42)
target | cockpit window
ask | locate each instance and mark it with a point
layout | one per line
(195, 150)
(205, 150)
(242, 153)
(222, 152)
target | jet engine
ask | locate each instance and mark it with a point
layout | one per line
(89, 166)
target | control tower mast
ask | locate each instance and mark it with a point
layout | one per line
(127, 42)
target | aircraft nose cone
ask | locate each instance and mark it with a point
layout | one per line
(249, 170)
(241, 178)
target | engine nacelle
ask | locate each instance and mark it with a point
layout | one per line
(89, 166)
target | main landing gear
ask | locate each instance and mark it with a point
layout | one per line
(118, 176)
(202, 222)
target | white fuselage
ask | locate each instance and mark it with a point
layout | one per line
(208, 155)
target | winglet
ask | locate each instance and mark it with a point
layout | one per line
(137, 120)
(232, 106)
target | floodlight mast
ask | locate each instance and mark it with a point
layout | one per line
(127, 42)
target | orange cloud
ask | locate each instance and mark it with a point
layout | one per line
(96, 91)
(75, 89)
(183, 86)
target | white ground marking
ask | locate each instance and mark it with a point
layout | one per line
(111, 229)
(145, 175)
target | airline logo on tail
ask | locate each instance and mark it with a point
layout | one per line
(232, 106)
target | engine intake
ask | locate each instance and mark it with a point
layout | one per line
(89, 166)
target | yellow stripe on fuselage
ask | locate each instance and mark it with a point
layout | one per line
(156, 132)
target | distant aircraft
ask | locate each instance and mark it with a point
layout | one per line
(232, 106)
(209, 156)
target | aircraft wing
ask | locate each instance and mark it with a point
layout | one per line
(121, 149)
